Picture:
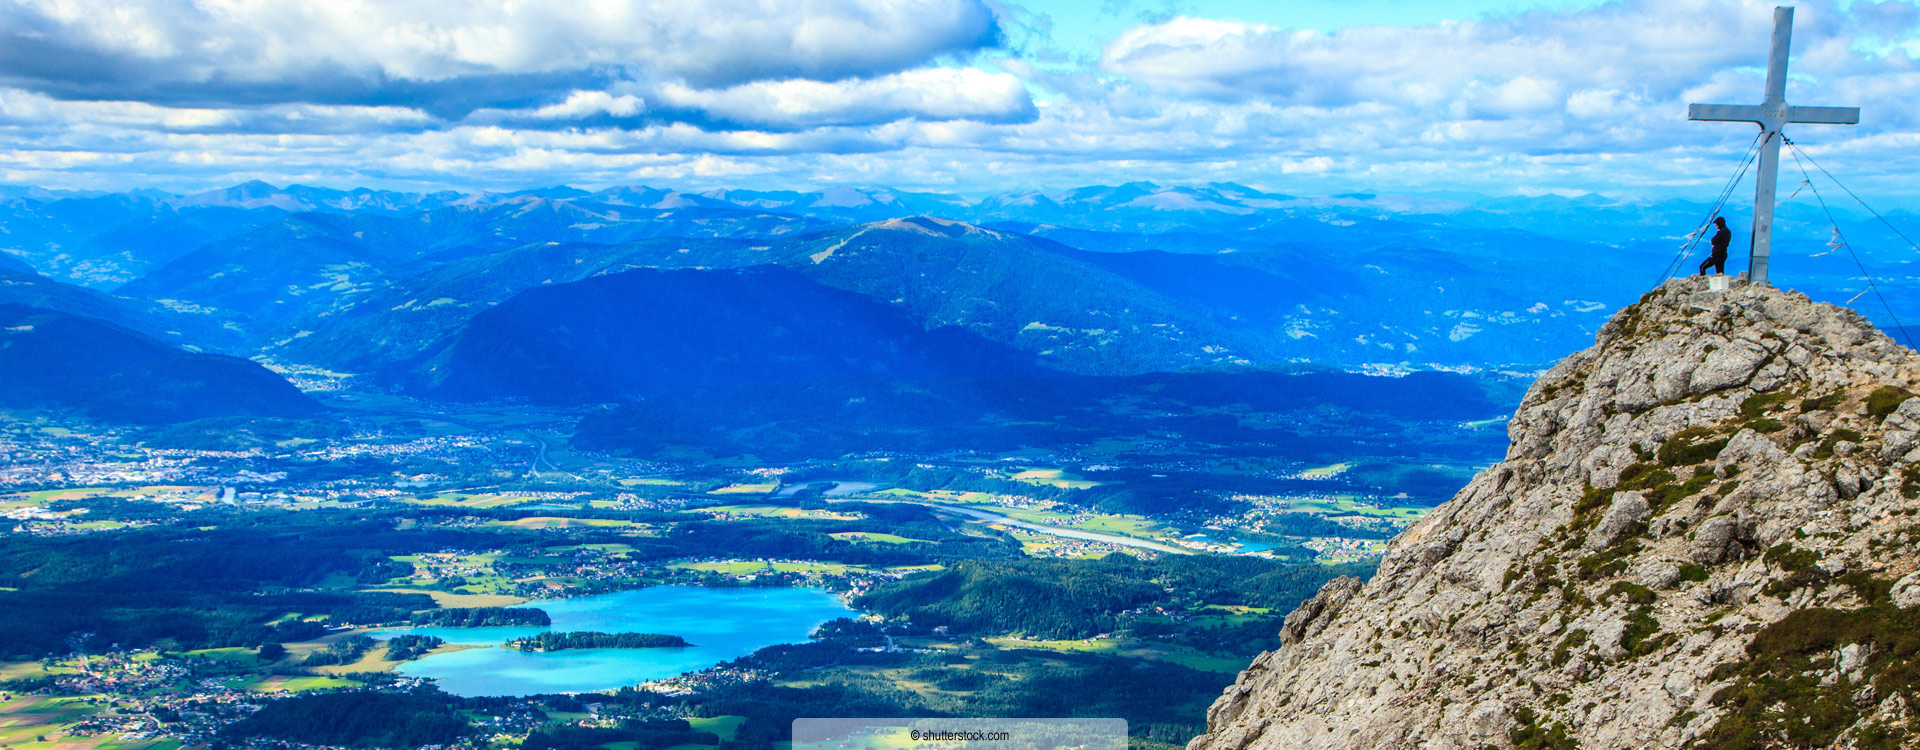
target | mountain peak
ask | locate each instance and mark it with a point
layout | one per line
(249, 194)
(1698, 533)
(928, 225)
(556, 192)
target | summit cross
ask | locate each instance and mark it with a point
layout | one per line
(1771, 115)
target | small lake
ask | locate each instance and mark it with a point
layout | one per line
(721, 623)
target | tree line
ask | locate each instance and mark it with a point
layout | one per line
(592, 639)
(482, 617)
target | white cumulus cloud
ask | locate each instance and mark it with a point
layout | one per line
(924, 94)
(458, 55)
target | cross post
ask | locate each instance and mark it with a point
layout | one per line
(1771, 115)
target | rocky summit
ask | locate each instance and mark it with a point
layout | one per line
(1704, 535)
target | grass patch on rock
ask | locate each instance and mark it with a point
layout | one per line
(1883, 400)
(1789, 692)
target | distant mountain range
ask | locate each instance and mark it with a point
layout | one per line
(1070, 310)
(428, 291)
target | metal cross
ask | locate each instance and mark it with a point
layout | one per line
(1772, 115)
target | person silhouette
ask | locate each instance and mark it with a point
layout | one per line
(1718, 260)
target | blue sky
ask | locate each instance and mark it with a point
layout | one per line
(1086, 25)
(973, 96)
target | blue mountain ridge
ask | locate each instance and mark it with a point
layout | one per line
(55, 360)
(1180, 276)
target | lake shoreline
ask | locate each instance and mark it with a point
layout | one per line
(719, 624)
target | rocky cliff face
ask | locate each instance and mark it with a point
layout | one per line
(1704, 535)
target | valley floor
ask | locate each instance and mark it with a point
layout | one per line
(1168, 557)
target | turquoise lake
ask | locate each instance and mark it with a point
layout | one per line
(721, 623)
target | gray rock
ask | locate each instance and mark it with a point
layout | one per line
(1458, 629)
(1713, 540)
(1681, 686)
(1627, 511)
(1851, 660)
(1657, 575)
(1315, 614)
(1606, 638)
(1906, 591)
(1903, 429)
(1730, 365)
(1491, 719)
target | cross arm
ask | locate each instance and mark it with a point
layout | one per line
(1727, 112)
(1824, 115)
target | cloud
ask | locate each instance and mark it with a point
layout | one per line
(30, 112)
(1659, 48)
(1598, 83)
(916, 93)
(926, 94)
(452, 57)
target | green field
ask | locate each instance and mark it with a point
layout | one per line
(450, 599)
(725, 726)
(42, 497)
(25, 720)
(27, 669)
(298, 684)
(1218, 615)
(1055, 478)
(1342, 505)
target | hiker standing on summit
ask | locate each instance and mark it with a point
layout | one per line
(1718, 260)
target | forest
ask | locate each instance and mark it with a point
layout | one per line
(344, 651)
(482, 617)
(591, 639)
(409, 647)
(358, 719)
(1056, 599)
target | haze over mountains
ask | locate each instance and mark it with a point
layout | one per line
(481, 296)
